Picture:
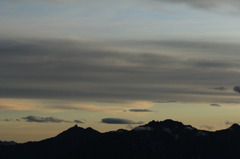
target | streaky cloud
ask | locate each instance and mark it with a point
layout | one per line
(220, 88)
(140, 110)
(90, 71)
(119, 121)
(39, 119)
(78, 121)
(215, 105)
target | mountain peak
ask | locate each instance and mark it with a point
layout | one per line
(75, 126)
(76, 131)
(166, 139)
(235, 127)
(168, 123)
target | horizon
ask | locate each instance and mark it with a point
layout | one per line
(129, 128)
(117, 64)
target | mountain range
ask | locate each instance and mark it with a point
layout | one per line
(166, 139)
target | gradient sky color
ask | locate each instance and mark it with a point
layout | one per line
(117, 64)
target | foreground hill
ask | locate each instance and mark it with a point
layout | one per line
(156, 140)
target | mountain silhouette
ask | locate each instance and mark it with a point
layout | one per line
(7, 143)
(166, 139)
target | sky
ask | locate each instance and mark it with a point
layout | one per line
(117, 64)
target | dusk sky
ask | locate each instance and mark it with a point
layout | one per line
(114, 64)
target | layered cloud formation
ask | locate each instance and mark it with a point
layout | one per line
(101, 72)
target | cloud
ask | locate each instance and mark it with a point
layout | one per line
(215, 105)
(7, 120)
(229, 123)
(220, 88)
(207, 127)
(236, 89)
(140, 110)
(38, 119)
(86, 107)
(165, 101)
(64, 107)
(205, 4)
(119, 121)
(113, 72)
(78, 121)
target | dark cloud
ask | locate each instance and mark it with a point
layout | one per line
(165, 101)
(206, 4)
(236, 89)
(11, 120)
(78, 121)
(220, 88)
(119, 121)
(215, 105)
(39, 119)
(140, 110)
(7, 120)
(87, 71)
(207, 127)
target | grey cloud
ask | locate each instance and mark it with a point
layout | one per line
(220, 88)
(78, 121)
(11, 120)
(88, 71)
(209, 47)
(119, 121)
(140, 110)
(215, 105)
(207, 4)
(7, 120)
(39, 119)
(236, 89)
(165, 101)
(211, 64)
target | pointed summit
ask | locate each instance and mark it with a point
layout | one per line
(76, 126)
(235, 127)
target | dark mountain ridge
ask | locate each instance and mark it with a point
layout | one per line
(7, 143)
(156, 140)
